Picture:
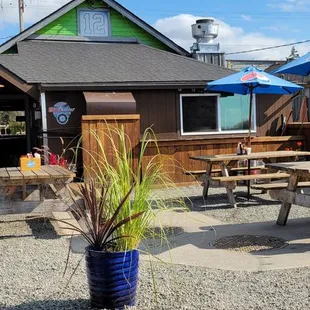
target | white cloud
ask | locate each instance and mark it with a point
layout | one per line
(231, 39)
(34, 10)
(246, 17)
(178, 28)
(290, 5)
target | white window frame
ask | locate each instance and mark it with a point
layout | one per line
(107, 11)
(218, 109)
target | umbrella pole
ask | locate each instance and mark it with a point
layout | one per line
(250, 117)
(249, 142)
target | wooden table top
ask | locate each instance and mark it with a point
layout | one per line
(302, 167)
(252, 156)
(46, 172)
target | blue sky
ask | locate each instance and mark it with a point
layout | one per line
(244, 25)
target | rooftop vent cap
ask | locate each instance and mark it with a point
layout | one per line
(205, 30)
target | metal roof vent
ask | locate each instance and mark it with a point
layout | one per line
(205, 31)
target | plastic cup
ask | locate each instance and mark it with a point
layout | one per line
(248, 150)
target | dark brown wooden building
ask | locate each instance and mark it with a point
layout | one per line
(62, 68)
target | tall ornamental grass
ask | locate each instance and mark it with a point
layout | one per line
(113, 168)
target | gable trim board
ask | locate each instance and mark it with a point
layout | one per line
(18, 82)
(113, 4)
(83, 39)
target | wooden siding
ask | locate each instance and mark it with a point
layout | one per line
(70, 131)
(67, 25)
(268, 113)
(160, 109)
(177, 153)
(99, 124)
(299, 128)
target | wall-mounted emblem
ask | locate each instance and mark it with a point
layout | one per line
(62, 112)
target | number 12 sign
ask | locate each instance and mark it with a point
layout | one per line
(93, 23)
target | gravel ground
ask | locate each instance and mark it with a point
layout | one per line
(33, 256)
(260, 207)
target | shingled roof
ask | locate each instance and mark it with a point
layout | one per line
(49, 62)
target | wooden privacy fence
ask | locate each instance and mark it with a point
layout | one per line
(98, 127)
(175, 152)
(179, 152)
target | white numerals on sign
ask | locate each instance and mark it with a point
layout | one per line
(94, 23)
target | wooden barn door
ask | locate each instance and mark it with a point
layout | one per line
(99, 125)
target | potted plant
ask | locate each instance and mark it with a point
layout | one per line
(112, 275)
(116, 215)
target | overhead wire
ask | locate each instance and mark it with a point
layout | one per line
(268, 48)
(39, 6)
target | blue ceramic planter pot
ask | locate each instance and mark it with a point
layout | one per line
(112, 278)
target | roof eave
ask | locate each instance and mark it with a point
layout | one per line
(115, 85)
(40, 24)
(12, 78)
(71, 5)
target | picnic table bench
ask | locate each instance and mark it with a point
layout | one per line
(299, 178)
(200, 173)
(227, 163)
(55, 176)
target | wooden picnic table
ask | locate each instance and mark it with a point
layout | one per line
(227, 161)
(299, 173)
(55, 176)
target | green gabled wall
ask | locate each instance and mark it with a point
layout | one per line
(67, 25)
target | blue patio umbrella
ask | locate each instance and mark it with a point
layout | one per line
(299, 66)
(252, 80)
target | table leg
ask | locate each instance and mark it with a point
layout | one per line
(206, 181)
(249, 182)
(24, 191)
(60, 190)
(286, 207)
(42, 192)
(228, 186)
(266, 161)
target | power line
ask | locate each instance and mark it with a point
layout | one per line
(268, 48)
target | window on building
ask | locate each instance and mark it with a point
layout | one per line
(94, 23)
(210, 113)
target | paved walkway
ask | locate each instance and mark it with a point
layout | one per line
(194, 245)
(193, 242)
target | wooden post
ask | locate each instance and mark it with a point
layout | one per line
(228, 187)
(206, 181)
(28, 125)
(21, 9)
(286, 207)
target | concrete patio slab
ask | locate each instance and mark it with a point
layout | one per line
(193, 244)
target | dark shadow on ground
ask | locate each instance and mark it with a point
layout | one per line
(80, 304)
(41, 228)
(13, 237)
(220, 201)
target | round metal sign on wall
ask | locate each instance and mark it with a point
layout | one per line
(62, 112)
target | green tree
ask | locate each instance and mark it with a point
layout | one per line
(293, 54)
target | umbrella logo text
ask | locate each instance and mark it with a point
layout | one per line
(249, 77)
